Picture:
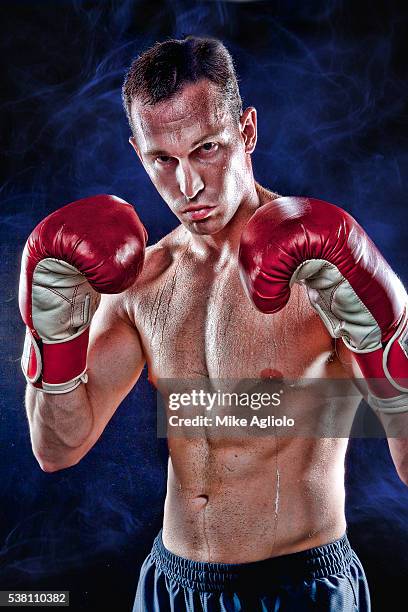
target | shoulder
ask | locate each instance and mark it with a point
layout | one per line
(160, 258)
(265, 195)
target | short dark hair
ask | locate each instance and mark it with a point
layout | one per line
(161, 71)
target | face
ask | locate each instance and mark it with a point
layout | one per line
(196, 154)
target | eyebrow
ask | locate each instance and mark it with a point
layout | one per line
(205, 138)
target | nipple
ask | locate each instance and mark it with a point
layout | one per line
(271, 373)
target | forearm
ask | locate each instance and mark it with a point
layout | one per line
(60, 426)
(395, 425)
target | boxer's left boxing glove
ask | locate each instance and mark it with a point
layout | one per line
(349, 283)
(92, 246)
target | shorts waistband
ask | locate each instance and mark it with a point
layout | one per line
(318, 562)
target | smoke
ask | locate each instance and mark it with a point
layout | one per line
(64, 520)
(328, 84)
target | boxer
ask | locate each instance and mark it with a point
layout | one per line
(251, 523)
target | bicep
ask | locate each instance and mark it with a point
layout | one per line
(115, 359)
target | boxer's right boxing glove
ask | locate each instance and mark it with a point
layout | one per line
(92, 246)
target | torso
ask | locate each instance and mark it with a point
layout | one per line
(237, 500)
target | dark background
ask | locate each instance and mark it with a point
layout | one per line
(328, 81)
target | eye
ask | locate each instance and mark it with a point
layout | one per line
(209, 146)
(163, 159)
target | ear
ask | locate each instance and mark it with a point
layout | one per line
(248, 127)
(132, 141)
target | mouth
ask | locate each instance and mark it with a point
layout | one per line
(197, 213)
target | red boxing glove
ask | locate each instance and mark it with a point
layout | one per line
(349, 284)
(92, 246)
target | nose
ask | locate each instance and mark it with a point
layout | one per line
(189, 180)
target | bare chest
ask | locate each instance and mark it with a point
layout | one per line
(199, 323)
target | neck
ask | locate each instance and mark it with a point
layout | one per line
(225, 243)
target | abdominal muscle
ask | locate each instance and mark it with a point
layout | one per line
(242, 499)
(232, 502)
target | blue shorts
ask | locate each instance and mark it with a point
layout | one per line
(325, 578)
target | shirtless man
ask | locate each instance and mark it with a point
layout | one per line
(273, 507)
